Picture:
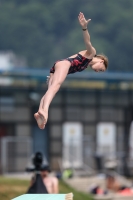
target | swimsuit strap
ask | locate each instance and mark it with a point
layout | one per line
(82, 56)
(85, 57)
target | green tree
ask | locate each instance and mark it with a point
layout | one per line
(43, 31)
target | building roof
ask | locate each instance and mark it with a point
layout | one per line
(26, 77)
(39, 74)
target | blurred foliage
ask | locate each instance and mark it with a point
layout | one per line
(44, 31)
(11, 188)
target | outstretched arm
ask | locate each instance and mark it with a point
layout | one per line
(83, 22)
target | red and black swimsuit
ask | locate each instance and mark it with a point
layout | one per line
(78, 64)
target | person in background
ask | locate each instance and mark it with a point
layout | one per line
(50, 182)
(112, 184)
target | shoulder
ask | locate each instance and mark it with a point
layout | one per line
(87, 54)
(54, 180)
(92, 53)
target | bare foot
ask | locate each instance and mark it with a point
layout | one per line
(41, 120)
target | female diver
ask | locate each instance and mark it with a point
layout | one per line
(72, 64)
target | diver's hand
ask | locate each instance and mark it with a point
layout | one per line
(47, 80)
(83, 22)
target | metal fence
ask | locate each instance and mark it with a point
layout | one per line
(92, 162)
(15, 153)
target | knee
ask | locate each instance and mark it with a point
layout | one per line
(56, 85)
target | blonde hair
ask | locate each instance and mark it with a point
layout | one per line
(104, 58)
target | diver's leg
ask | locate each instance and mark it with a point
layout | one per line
(61, 71)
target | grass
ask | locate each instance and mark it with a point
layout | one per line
(11, 188)
(64, 188)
